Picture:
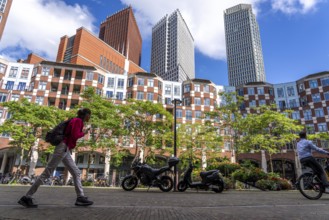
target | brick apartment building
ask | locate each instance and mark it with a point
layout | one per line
(4, 12)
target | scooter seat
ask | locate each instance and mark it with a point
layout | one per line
(207, 173)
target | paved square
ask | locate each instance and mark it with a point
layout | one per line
(58, 203)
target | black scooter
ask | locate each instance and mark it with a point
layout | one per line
(210, 180)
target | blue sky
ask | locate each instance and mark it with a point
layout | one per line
(294, 33)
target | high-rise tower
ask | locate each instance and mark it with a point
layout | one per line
(243, 46)
(172, 55)
(4, 11)
(121, 32)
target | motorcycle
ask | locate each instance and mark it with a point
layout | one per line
(148, 176)
(209, 180)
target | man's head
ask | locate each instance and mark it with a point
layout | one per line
(302, 134)
(84, 114)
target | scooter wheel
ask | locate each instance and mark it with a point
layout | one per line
(220, 188)
(182, 186)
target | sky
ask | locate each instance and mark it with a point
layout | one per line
(294, 33)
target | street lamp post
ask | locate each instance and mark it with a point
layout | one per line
(175, 102)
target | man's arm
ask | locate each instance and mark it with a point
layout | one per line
(313, 147)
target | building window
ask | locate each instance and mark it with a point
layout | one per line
(325, 81)
(322, 127)
(25, 73)
(198, 114)
(130, 82)
(187, 101)
(260, 91)
(14, 97)
(3, 97)
(21, 86)
(42, 85)
(207, 101)
(160, 85)
(99, 91)
(310, 128)
(10, 85)
(262, 102)
(179, 113)
(101, 79)
(303, 101)
(290, 91)
(177, 90)
(90, 76)
(206, 88)
(150, 83)
(308, 114)
(168, 101)
(140, 81)
(110, 82)
(252, 103)
(295, 115)
(186, 88)
(270, 90)
(1, 113)
(301, 87)
(293, 103)
(188, 115)
(2, 68)
(197, 101)
(319, 112)
(45, 71)
(316, 97)
(140, 95)
(280, 92)
(326, 96)
(35, 71)
(251, 91)
(39, 100)
(197, 88)
(3, 5)
(29, 98)
(13, 72)
(313, 83)
(109, 94)
(150, 96)
(167, 89)
(121, 83)
(120, 95)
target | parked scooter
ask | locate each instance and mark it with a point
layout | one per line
(148, 176)
(210, 180)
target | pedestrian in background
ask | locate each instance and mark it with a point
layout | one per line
(62, 152)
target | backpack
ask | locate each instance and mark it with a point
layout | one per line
(56, 135)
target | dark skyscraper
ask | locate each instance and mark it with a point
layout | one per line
(121, 32)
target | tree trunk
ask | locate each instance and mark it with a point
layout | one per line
(271, 163)
(34, 157)
(21, 159)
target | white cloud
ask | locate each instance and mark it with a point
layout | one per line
(48, 20)
(295, 6)
(204, 18)
(38, 25)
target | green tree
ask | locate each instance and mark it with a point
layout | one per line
(27, 122)
(229, 117)
(269, 130)
(106, 125)
(147, 123)
(198, 140)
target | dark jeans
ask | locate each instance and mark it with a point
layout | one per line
(316, 167)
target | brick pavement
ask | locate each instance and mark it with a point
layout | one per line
(58, 203)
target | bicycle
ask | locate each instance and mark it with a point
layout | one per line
(310, 185)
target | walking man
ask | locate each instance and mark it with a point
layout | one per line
(73, 132)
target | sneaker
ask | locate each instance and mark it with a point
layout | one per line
(27, 202)
(83, 201)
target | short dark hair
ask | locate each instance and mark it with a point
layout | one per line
(82, 113)
(302, 134)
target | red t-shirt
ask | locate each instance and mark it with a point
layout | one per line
(73, 132)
